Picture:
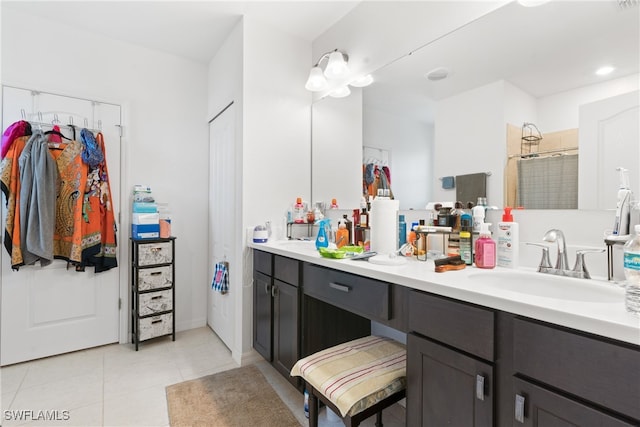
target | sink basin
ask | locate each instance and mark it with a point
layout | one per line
(550, 286)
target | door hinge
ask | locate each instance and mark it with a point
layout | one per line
(119, 303)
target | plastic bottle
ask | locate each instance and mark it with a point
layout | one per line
(298, 211)
(632, 272)
(466, 241)
(334, 204)
(485, 248)
(306, 403)
(478, 213)
(342, 235)
(349, 226)
(508, 240)
(165, 220)
(402, 231)
(324, 231)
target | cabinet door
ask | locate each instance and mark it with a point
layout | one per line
(262, 314)
(446, 388)
(536, 406)
(285, 328)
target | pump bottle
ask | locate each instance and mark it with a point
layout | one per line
(508, 241)
(485, 248)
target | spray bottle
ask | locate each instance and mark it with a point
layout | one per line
(324, 230)
(623, 207)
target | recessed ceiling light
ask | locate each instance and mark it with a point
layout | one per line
(603, 71)
(436, 74)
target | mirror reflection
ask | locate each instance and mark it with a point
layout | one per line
(513, 66)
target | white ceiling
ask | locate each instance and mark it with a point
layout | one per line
(191, 29)
(542, 50)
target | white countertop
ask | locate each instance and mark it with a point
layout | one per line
(583, 310)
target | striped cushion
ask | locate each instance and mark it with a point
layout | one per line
(357, 374)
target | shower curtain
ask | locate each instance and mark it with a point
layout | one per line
(548, 182)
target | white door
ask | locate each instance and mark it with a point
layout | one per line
(52, 310)
(609, 133)
(222, 220)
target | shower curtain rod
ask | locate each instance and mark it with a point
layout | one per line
(530, 155)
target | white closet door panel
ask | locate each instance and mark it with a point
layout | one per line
(52, 310)
(222, 221)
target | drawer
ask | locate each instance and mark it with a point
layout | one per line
(155, 326)
(155, 302)
(155, 278)
(155, 253)
(262, 262)
(602, 372)
(286, 270)
(360, 295)
(458, 324)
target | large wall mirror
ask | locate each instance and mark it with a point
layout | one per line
(513, 66)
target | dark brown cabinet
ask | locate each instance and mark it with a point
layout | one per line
(276, 307)
(448, 381)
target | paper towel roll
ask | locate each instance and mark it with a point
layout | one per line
(384, 225)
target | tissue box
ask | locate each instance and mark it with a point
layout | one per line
(145, 231)
(145, 218)
(145, 207)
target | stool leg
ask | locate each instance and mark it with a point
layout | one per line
(313, 409)
(379, 419)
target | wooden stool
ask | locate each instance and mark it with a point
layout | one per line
(356, 379)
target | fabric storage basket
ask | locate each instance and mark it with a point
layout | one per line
(155, 326)
(155, 302)
(155, 253)
(155, 278)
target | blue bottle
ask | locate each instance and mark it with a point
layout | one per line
(324, 228)
(402, 231)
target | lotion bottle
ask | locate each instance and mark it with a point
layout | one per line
(485, 248)
(508, 241)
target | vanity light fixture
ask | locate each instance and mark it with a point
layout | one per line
(532, 3)
(362, 81)
(603, 71)
(335, 68)
(341, 92)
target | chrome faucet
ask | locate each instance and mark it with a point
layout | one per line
(555, 235)
(562, 263)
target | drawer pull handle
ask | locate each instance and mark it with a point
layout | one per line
(520, 408)
(156, 321)
(339, 287)
(479, 387)
(156, 273)
(157, 297)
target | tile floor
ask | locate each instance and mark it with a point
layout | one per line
(116, 386)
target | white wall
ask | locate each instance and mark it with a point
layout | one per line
(165, 130)
(410, 143)
(470, 136)
(274, 157)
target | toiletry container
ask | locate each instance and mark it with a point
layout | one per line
(298, 211)
(402, 231)
(349, 226)
(508, 241)
(485, 248)
(466, 241)
(478, 212)
(342, 235)
(632, 272)
(324, 231)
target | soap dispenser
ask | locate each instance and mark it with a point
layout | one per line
(485, 248)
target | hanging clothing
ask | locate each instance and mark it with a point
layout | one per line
(38, 184)
(99, 227)
(14, 131)
(10, 178)
(67, 238)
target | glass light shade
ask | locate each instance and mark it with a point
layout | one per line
(341, 92)
(362, 81)
(316, 81)
(337, 66)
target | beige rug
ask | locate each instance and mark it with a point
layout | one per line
(240, 397)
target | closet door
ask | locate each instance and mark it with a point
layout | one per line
(52, 310)
(223, 223)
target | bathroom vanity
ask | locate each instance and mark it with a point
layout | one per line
(478, 354)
